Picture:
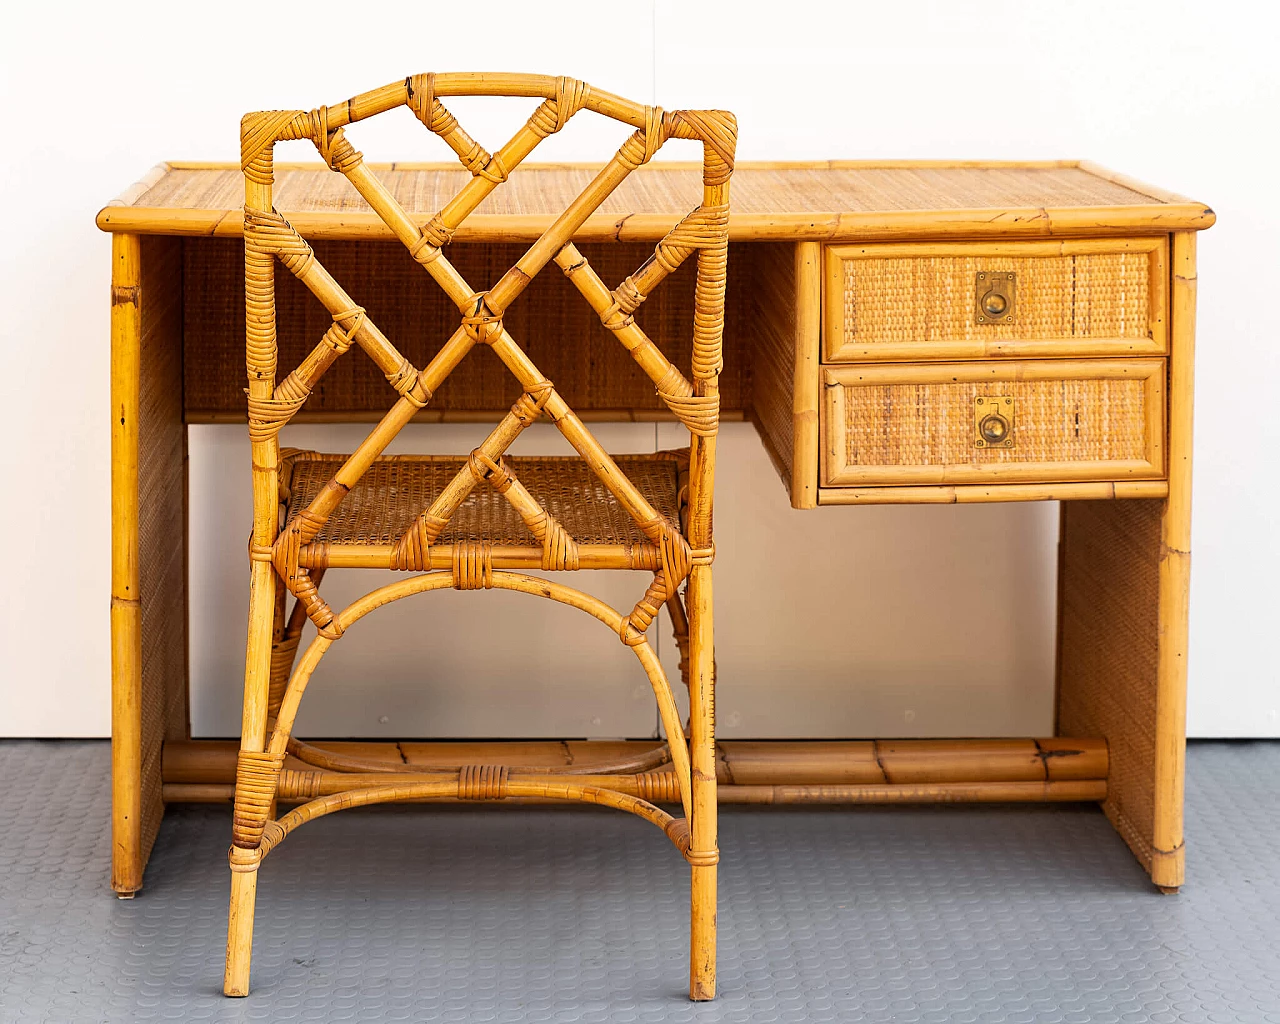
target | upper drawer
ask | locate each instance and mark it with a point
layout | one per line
(1103, 297)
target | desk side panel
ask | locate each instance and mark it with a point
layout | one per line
(162, 520)
(787, 293)
(1108, 639)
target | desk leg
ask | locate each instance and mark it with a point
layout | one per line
(148, 541)
(126, 620)
(1124, 575)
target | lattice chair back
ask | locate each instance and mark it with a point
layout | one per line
(694, 400)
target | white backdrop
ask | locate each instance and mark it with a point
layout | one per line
(1185, 95)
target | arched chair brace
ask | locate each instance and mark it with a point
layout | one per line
(472, 523)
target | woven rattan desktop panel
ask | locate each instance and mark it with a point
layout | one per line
(551, 322)
(660, 188)
(906, 302)
(1072, 420)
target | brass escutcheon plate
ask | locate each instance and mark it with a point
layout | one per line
(993, 421)
(994, 296)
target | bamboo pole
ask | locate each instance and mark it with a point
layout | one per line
(780, 225)
(1072, 791)
(1167, 856)
(505, 556)
(806, 386)
(946, 494)
(808, 763)
(126, 608)
(261, 365)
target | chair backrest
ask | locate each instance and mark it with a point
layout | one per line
(694, 400)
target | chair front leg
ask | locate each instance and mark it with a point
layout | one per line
(703, 852)
(257, 773)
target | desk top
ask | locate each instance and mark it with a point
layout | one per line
(830, 201)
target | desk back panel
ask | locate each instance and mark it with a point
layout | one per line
(548, 321)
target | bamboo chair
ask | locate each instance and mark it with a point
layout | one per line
(467, 524)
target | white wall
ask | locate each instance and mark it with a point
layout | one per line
(1183, 94)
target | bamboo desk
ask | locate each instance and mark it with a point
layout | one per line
(873, 309)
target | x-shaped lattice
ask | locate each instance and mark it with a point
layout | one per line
(268, 236)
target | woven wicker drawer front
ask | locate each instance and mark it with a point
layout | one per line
(907, 302)
(1073, 420)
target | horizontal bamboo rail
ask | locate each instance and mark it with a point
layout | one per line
(1082, 791)
(756, 772)
(959, 494)
(650, 227)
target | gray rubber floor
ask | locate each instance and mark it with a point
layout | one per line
(879, 914)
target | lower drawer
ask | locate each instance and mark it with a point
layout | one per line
(985, 422)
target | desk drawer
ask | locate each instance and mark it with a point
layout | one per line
(940, 423)
(905, 302)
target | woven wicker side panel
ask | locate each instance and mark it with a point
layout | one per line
(1055, 421)
(931, 299)
(773, 295)
(1108, 633)
(162, 519)
(773, 287)
(551, 321)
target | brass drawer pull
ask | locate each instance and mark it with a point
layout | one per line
(993, 296)
(993, 421)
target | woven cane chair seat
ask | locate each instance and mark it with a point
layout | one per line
(387, 500)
